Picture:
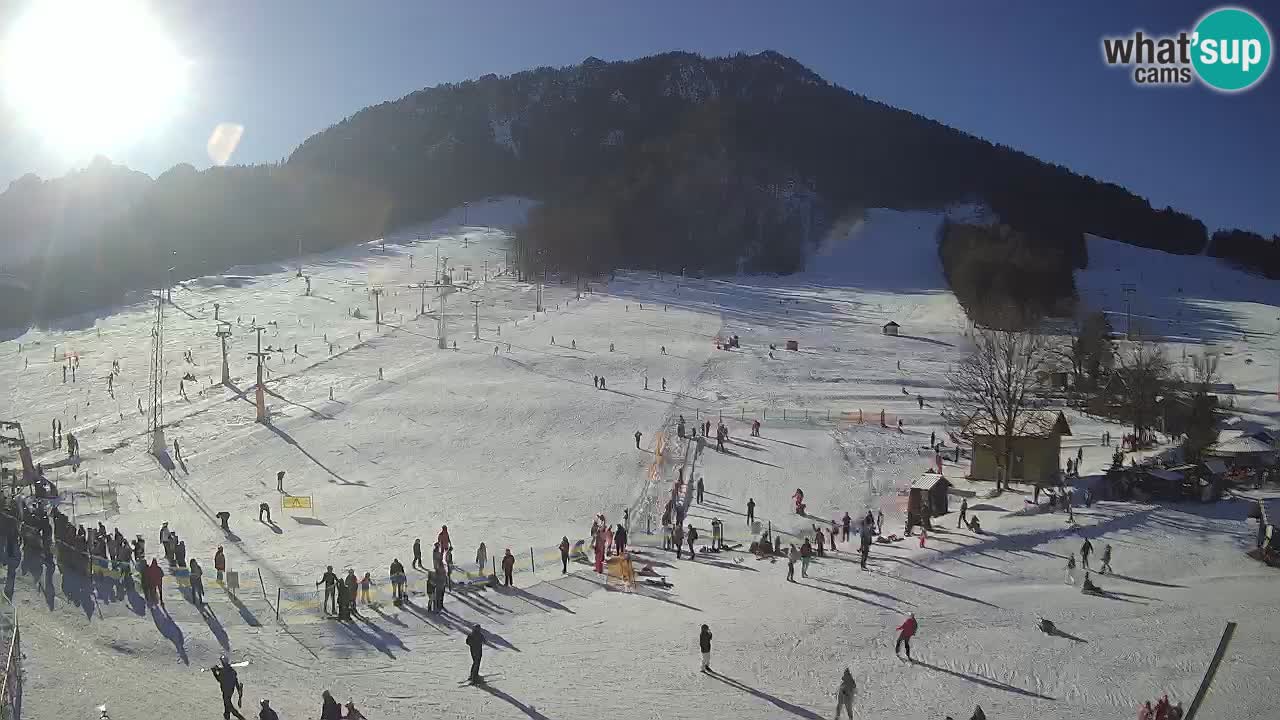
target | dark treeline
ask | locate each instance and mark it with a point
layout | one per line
(1246, 250)
(671, 161)
(1006, 278)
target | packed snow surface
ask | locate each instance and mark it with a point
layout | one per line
(392, 437)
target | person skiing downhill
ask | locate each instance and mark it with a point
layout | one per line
(905, 632)
(844, 696)
(475, 641)
(704, 644)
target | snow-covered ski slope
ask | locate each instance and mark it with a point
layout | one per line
(519, 448)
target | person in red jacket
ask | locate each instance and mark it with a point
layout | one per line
(905, 631)
(443, 538)
(154, 577)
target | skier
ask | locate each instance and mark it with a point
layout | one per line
(475, 641)
(329, 708)
(964, 510)
(417, 555)
(508, 565)
(397, 581)
(229, 683)
(751, 511)
(704, 644)
(700, 490)
(330, 582)
(905, 631)
(564, 555)
(792, 556)
(806, 551)
(844, 696)
(197, 583)
(365, 583)
(1085, 549)
(1106, 560)
(352, 585)
(844, 528)
(266, 713)
(1071, 570)
(637, 439)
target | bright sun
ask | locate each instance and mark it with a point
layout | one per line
(91, 75)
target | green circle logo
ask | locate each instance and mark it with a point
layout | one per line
(1231, 49)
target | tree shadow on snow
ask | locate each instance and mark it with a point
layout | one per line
(776, 701)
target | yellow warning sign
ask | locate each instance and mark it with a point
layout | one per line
(296, 502)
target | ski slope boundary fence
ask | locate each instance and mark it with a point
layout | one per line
(857, 416)
(11, 681)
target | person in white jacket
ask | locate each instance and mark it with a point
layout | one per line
(482, 558)
(793, 556)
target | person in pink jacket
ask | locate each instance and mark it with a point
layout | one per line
(905, 631)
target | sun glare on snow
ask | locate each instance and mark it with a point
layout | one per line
(90, 75)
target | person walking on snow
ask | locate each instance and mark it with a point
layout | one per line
(443, 538)
(564, 555)
(267, 713)
(1085, 549)
(699, 489)
(229, 684)
(329, 708)
(197, 583)
(792, 556)
(1106, 560)
(482, 559)
(637, 439)
(475, 642)
(508, 566)
(905, 632)
(751, 511)
(692, 536)
(704, 644)
(964, 510)
(1071, 570)
(366, 583)
(844, 527)
(620, 540)
(417, 555)
(806, 551)
(220, 562)
(844, 696)
(396, 574)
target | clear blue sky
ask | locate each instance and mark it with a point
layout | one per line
(1026, 74)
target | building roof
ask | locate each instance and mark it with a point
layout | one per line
(1040, 423)
(892, 324)
(1217, 467)
(1166, 474)
(1243, 445)
(928, 481)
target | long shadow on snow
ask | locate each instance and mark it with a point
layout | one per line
(987, 682)
(774, 700)
(535, 600)
(172, 632)
(526, 709)
(289, 439)
(655, 595)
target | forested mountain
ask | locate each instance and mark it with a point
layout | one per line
(672, 161)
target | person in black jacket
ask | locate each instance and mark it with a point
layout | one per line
(266, 713)
(704, 644)
(397, 580)
(475, 641)
(329, 708)
(229, 683)
(620, 539)
(330, 581)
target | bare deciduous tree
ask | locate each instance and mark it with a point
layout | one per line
(990, 391)
(1141, 378)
